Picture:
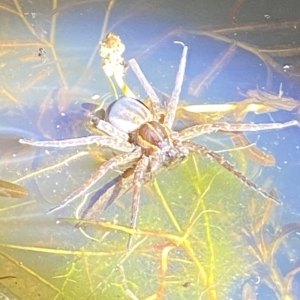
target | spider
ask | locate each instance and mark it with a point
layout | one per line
(146, 142)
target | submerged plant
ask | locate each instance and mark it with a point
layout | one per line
(202, 234)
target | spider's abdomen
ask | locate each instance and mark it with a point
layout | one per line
(128, 114)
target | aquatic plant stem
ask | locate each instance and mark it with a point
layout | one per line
(47, 169)
(52, 41)
(166, 206)
(164, 269)
(53, 22)
(106, 18)
(102, 35)
(28, 25)
(123, 86)
(29, 271)
(42, 39)
(113, 87)
(17, 205)
(204, 212)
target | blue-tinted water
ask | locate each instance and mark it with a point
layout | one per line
(41, 100)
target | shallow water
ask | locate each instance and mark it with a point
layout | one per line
(228, 229)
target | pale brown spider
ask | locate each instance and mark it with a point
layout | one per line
(148, 144)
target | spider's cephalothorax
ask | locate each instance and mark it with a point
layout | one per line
(157, 140)
(148, 144)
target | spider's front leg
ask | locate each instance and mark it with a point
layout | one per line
(156, 105)
(173, 102)
(114, 143)
(197, 130)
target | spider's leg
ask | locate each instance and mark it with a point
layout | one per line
(108, 141)
(200, 129)
(137, 184)
(227, 165)
(105, 196)
(156, 106)
(100, 199)
(111, 130)
(114, 190)
(110, 164)
(173, 102)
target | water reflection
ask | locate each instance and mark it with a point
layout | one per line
(235, 244)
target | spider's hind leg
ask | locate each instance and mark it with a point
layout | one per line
(138, 180)
(228, 166)
(107, 194)
(112, 163)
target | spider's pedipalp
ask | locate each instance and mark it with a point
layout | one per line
(228, 166)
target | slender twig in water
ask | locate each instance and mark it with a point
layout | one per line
(202, 81)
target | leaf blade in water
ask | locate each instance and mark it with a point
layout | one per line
(11, 190)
